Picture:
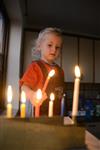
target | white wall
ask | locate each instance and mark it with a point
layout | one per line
(13, 67)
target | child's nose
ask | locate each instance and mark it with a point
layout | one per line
(54, 49)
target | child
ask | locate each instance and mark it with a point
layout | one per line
(49, 44)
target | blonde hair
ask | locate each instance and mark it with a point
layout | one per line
(42, 34)
(36, 53)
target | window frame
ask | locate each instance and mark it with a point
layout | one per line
(4, 54)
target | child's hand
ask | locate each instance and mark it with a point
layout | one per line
(36, 102)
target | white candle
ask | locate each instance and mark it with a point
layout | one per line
(76, 92)
(9, 100)
(52, 97)
(51, 74)
(23, 105)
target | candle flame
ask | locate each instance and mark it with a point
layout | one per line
(23, 97)
(51, 73)
(52, 96)
(39, 94)
(9, 94)
(77, 72)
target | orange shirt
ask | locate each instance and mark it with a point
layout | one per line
(34, 77)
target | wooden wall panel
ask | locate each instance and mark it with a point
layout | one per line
(69, 57)
(86, 59)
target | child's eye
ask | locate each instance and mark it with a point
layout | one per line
(49, 45)
(58, 48)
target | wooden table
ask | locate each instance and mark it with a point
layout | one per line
(44, 134)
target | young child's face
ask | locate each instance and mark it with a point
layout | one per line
(50, 47)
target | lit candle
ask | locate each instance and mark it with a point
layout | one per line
(52, 97)
(76, 93)
(9, 100)
(63, 105)
(37, 107)
(23, 105)
(51, 74)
